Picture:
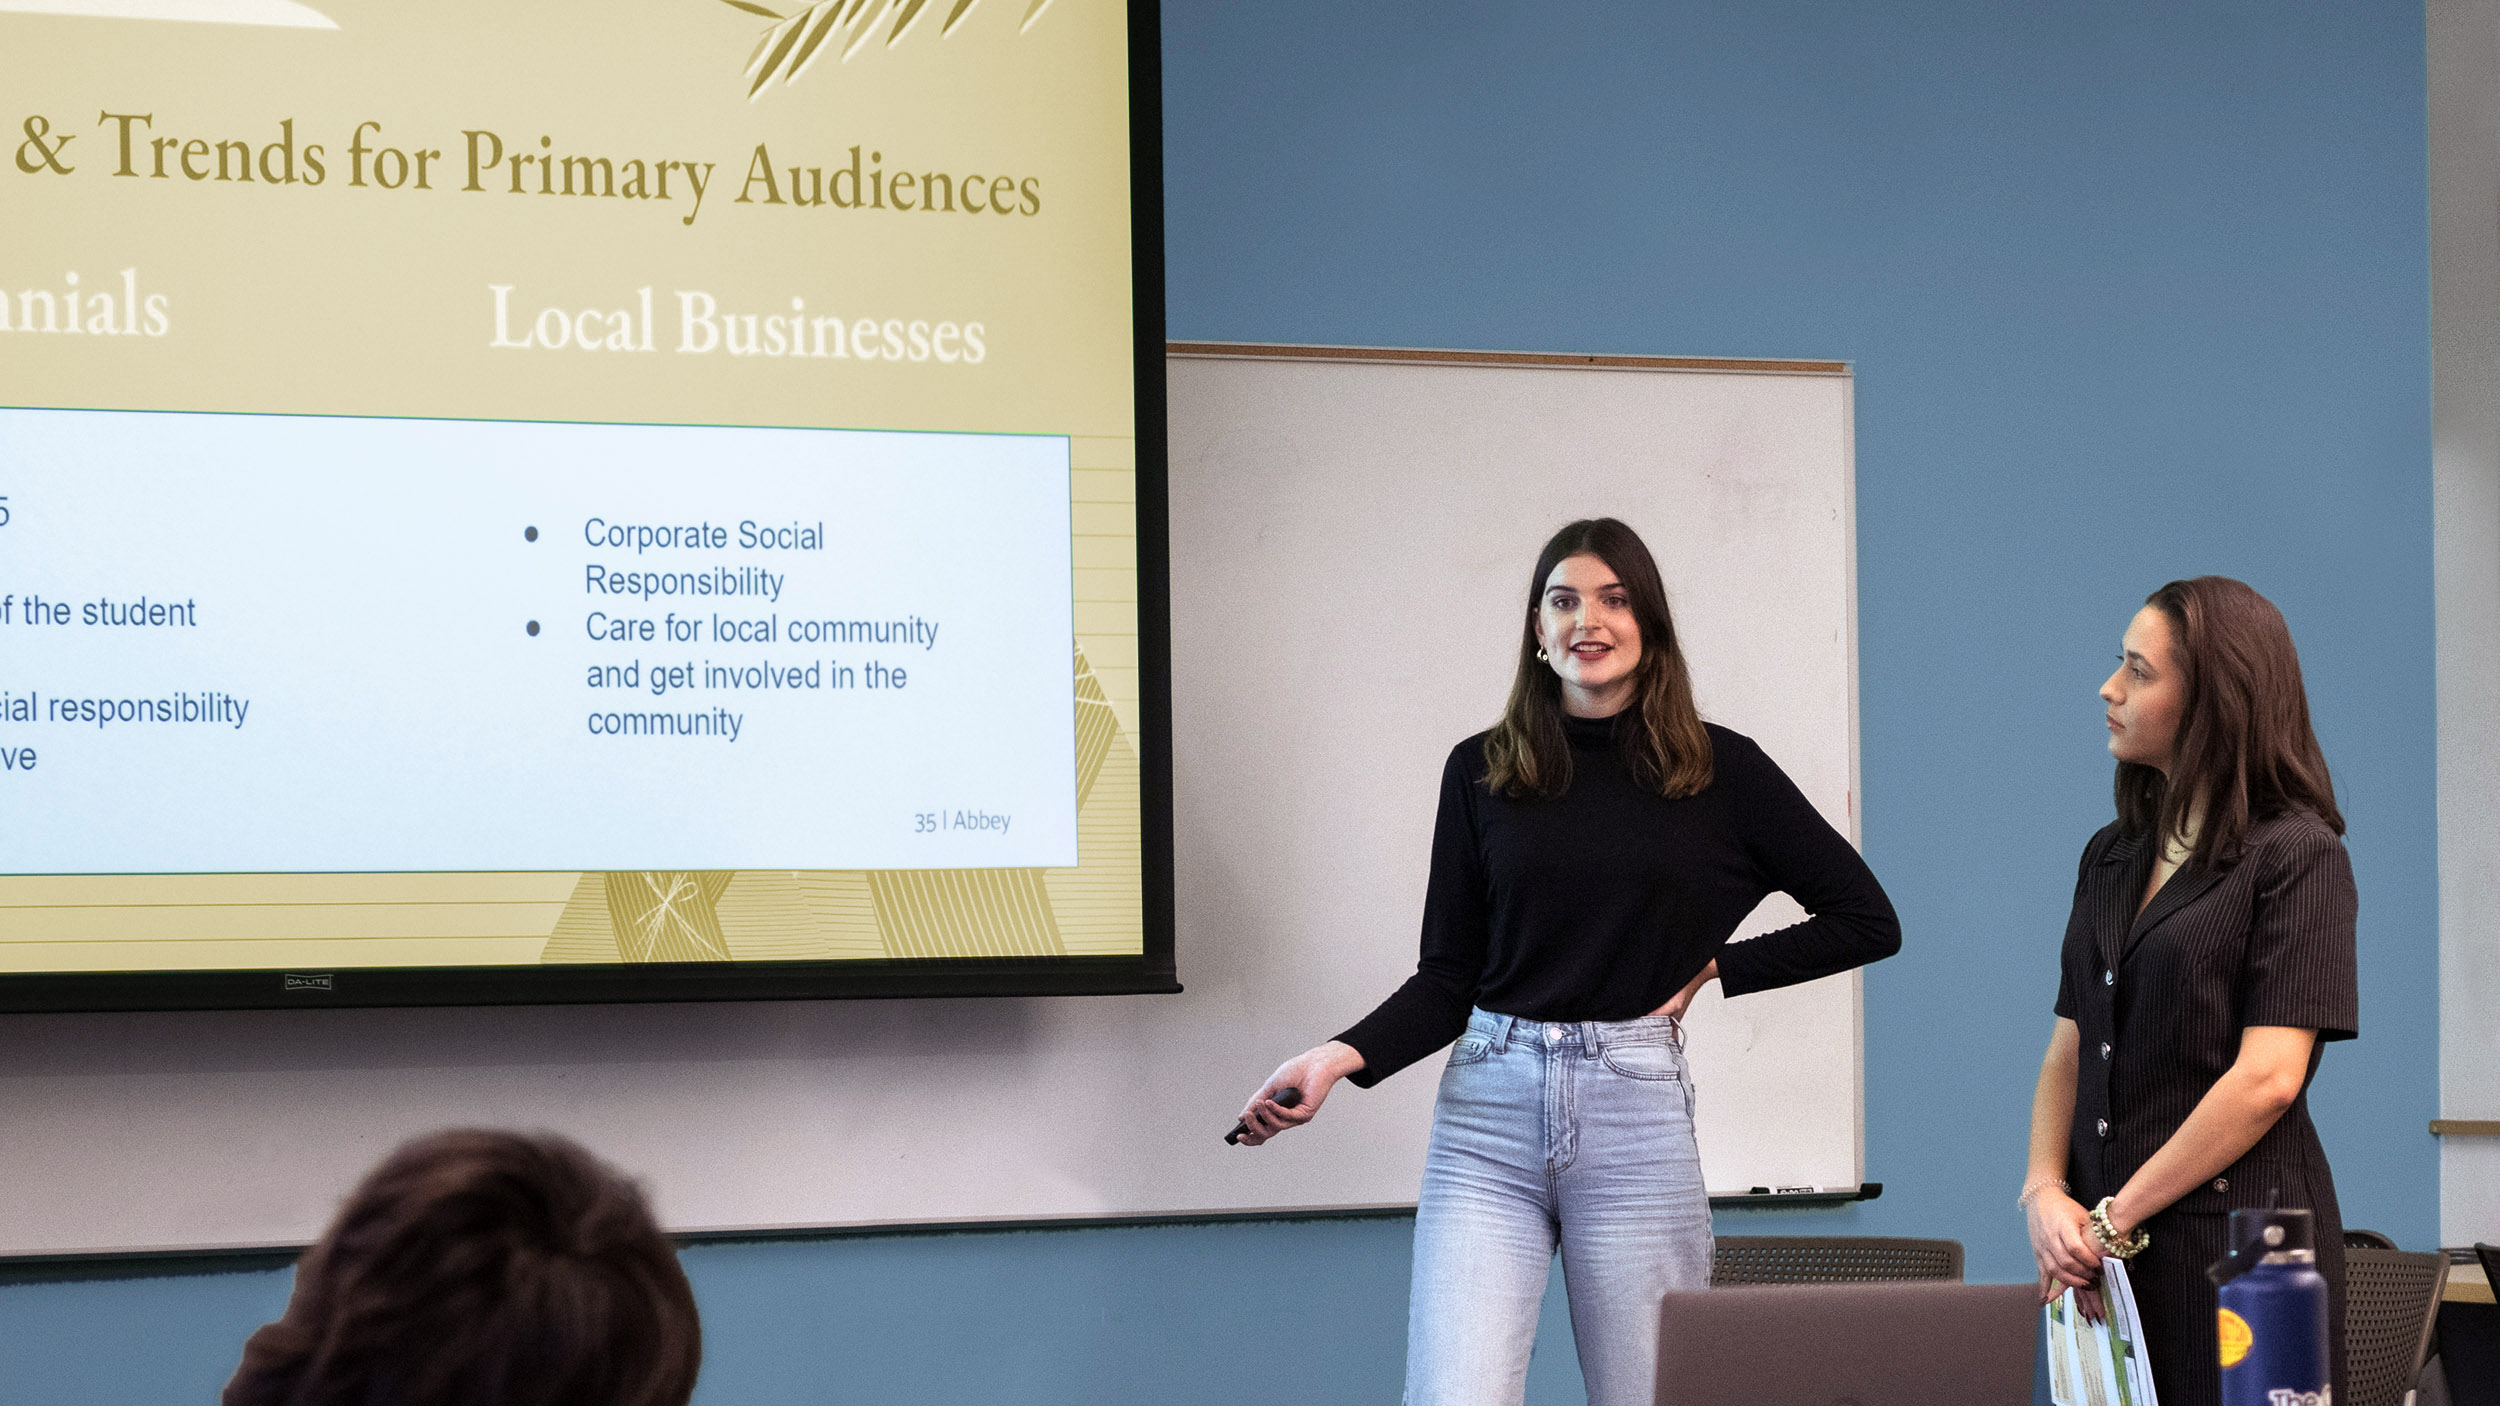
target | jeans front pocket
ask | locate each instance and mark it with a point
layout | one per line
(1471, 1047)
(1644, 1059)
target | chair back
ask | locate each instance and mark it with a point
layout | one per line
(2391, 1299)
(2366, 1240)
(1831, 1259)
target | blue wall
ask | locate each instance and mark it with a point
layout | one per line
(2133, 292)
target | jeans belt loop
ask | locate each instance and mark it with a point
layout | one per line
(1501, 1033)
(1588, 1039)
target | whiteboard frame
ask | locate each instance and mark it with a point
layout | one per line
(1840, 370)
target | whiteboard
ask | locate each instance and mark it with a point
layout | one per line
(1316, 499)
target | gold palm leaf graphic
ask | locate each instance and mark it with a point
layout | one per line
(793, 42)
(1096, 728)
(668, 915)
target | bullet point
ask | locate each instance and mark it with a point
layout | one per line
(529, 534)
(533, 627)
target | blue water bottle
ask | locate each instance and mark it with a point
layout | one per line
(2272, 1325)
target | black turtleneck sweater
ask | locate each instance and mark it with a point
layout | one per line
(1600, 903)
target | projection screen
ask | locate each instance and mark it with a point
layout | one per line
(574, 502)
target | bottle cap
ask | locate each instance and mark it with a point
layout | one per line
(2256, 1234)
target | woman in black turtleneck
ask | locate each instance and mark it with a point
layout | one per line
(1594, 851)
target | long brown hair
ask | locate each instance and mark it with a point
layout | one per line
(479, 1268)
(1528, 753)
(2245, 751)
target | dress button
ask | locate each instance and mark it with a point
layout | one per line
(2105, 1127)
(2222, 1183)
(2109, 978)
(2105, 1049)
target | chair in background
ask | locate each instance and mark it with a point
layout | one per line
(1831, 1259)
(2467, 1346)
(2366, 1240)
(2391, 1301)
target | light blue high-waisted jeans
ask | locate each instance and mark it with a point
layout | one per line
(1579, 1134)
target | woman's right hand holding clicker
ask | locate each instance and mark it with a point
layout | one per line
(2061, 1240)
(1312, 1072)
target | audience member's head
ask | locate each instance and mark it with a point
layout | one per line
(483, 1269)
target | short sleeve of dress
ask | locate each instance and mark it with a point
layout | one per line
(2303, 969)
(2065, 976)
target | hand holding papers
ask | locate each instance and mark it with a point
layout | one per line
(2099, 1363)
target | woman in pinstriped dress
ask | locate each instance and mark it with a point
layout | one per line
(2208, 961)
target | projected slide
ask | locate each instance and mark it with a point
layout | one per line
(504, 642)
(526, 489)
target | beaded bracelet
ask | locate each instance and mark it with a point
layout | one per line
(2107, 1234)
(2031, 1189)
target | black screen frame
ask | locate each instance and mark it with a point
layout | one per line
(1153, 971)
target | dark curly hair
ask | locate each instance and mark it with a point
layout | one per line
(478, 1268)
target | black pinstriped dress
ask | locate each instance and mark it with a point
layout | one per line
(2159, 999)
